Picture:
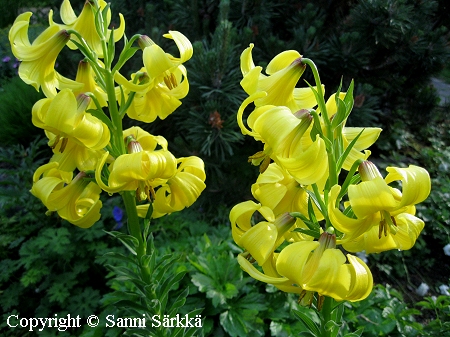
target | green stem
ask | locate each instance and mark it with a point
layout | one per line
(134, 227)
(321, 101)
(326, 316)
(333, 177)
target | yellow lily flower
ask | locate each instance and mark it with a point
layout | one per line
(407, 230)
(85, 25)
(317, 266)
(37, 66)
(65, 117)
(374, 203)
(180, 191)
(77, 200)
(165, 82)
(283, 71)
(160, 100)
(141, 169)
(262, 239)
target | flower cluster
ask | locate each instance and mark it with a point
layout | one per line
(82, 117)
(317, 195)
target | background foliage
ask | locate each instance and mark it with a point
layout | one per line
(390, 48)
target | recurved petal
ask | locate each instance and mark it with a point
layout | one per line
(18, 34)
(409, 229)
(292, 259)
(157, 102)
(183, 44)
(118, 32)
(349, 226)
(183, 189)
(66, 12)
(367, 138)
(416, 183)
(260, 241)
(247, 60)
(250, 82)
(83, 209)
(361, 279)
(257, 275)
(241, 215)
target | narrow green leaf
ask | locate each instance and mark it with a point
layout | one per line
(130, 242)
(313, 233)
(171, 281)
(117, 256)
(340, 115)
(311, 214)
(178, 303)
(111, 48)
(314, 199)
(308, 322)
(347, 150)
(311, 225)
(348, 180)
(124, 57)
(101, 115)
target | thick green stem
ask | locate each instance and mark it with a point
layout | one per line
(333, 178)
(321, 101)
(134, 227)
(326, 316)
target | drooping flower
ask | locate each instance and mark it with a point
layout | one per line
(165, 81)
(76, 200)
(65, 117)
(384, 215)
(283, 73)
(140, 170)
(282, 132)
(317, 266)
(85, 25)
(37, 66)
(179, 191)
